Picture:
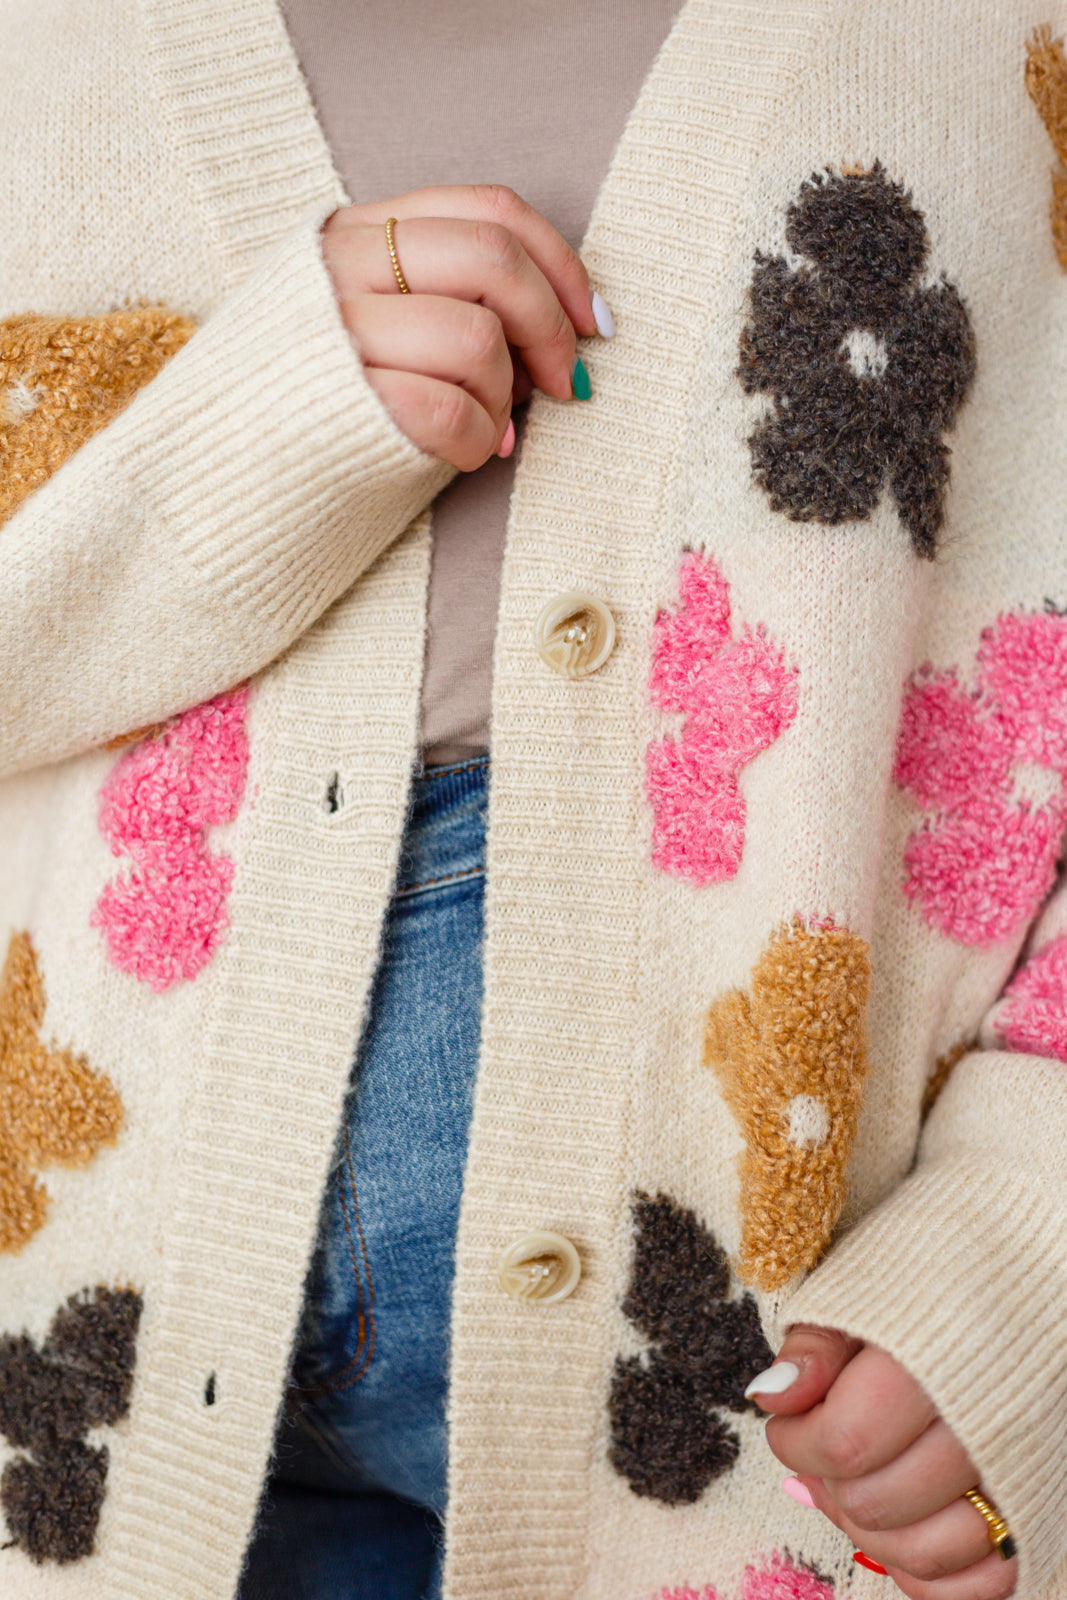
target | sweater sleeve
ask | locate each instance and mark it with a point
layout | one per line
(962, 1273)
(210, 524)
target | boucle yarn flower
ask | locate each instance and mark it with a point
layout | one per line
(737, 696)
(54, 1402)
(164, 919)
(780, 1579)
(867, 367)
(790, 1054)
(670, 1433)
(989, 766)
(62, 379)
(54, 1109)
(1033, 1017)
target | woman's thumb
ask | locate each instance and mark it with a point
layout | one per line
(803, 1370)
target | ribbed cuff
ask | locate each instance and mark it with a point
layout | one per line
(266, 459)
(962, 1277)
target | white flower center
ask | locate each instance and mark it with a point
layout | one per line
(1036, 785)
(867, 354)
(809, 1121)
(19, 401)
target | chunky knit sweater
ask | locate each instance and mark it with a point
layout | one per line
(775, 1014)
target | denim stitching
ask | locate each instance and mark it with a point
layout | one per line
(474, 763)
(437, 883)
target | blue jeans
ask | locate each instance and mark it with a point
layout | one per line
(354, 1507)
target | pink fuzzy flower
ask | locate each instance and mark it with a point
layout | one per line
(782, 1580)
(163, 920)
(737, 696)
(984, 860)
(1022, 664)
(779, 1579)
(686, 640)
(1033, 1017)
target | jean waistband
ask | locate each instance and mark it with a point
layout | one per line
(444, 838)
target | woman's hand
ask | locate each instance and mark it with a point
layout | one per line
(870, 1447)
(489, 277)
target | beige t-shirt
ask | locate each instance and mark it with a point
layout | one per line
(531, 93)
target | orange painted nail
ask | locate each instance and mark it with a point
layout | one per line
(872, 1566)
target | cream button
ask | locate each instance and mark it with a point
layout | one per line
(541, 1266)
(575, 635)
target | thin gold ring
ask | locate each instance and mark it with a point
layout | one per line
(1000, 1535)
(402, 282)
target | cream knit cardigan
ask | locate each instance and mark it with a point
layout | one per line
(254, 515)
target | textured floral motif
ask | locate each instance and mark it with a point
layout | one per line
(669, 1439)
(780, 1579)
(1046, 84)
(164, 919)
(790, 1053)
(737, 696)
(866, 367)
(1033, 1017)
(62, 379)
(54, 1109)
(989, 765)
(51, 1400)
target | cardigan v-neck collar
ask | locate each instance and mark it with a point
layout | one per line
(242, 124)
(240, 118)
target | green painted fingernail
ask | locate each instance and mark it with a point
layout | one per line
(580, 385)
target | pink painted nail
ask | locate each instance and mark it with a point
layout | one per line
(796, 1491)
(507, 443)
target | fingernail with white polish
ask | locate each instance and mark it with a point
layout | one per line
(776, 1379)
(796, 1491)
(605, 322)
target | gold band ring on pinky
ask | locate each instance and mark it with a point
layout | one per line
(1000, 1535)
(402, 282)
